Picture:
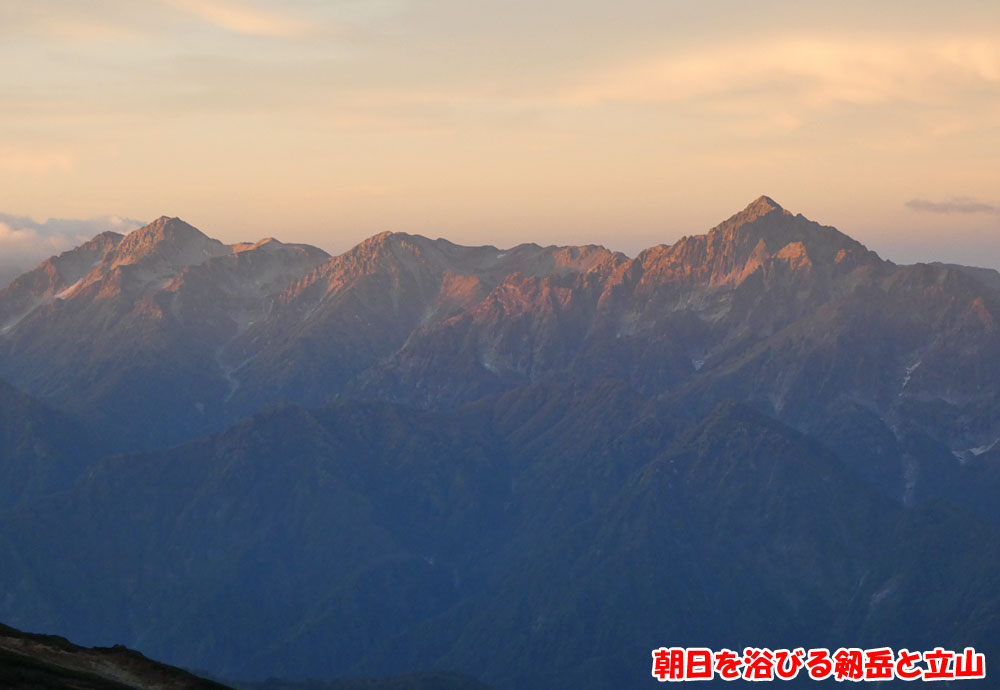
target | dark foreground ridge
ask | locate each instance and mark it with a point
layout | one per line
(406, 681)
(47, 662)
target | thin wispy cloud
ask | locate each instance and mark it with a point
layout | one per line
(75, 28)
(810, 72)
(20, 160)
(962, 205)
(114, 20)
(241, 18)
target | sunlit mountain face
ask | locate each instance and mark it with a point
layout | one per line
(526, 465)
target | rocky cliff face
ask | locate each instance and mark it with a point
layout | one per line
(129, 332)
(768, 306)
(52, 277)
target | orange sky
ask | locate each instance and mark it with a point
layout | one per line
(625, 124)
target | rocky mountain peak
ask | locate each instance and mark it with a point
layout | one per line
(108, 238)
(381, 239)
(758, 208)
(765, 226)
(767, 229)
(762, 211)
(486, 262)
(170, 239)
(267, 243)
(761, 235)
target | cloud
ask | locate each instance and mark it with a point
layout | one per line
(966, 205)
(241, 19)
(24, 243)
(37, 162)
(805, 73)
(110, 21)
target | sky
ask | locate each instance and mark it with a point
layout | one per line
(626, 124)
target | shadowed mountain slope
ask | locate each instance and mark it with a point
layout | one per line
(547, 538)
(41, 451)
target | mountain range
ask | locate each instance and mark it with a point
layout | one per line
(529, 465)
